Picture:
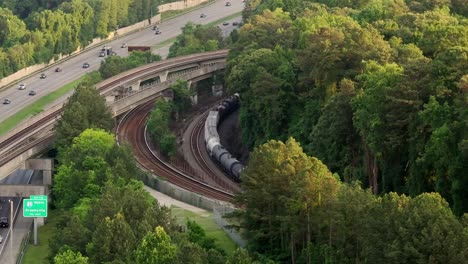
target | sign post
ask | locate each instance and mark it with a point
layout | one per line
(35, 207)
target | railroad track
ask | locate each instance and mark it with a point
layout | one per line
(27, 135)
(198, 149)
(132, 129)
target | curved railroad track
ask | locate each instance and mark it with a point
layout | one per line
(198, 149)
(132, 129)
(25, 136)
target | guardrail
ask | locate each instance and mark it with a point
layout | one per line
(24, 245)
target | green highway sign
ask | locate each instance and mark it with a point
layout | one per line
(34, 208)
(38, 197)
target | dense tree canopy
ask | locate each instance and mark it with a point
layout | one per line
(84, 109)
(196, 38)
(375, 89)
(294, 210)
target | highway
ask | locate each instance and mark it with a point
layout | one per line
(18, 177)
(72, 68)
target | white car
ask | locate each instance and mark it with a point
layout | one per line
(1, 239)
(22, 86)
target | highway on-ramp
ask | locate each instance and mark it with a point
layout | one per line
(72, 68)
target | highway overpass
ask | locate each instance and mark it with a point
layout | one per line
(122, 92)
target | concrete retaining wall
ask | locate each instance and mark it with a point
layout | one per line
(179, 193)
(180, 5)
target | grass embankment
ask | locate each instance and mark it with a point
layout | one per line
(38, 254)
(208, 224)
(36, 107)
(173, 13)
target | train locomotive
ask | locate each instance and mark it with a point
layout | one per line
(213, 144)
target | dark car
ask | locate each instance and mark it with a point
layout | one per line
(58, 69)
(155, 27)
(157, 32)
(4, 222)
(43, 76)
(123, 46)
(202, 15)
(228, 4)
(32, 93)
(225, 23)
(235, 23)
(85, 65)
(6, 101)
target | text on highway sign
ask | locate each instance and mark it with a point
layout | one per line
(34, 208)
(38, 197)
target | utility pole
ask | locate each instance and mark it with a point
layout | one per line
(11, 229)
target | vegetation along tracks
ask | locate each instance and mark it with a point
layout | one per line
(132, 129)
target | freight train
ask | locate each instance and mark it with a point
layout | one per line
(213, 144)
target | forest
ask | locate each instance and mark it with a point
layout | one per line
(377, 90)
(36, 31)
(356, 112)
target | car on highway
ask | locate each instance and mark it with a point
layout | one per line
(102, 54)
(225, 23)
(6, 101)
(124, 45)
(58, 69)
(1, 239)
(235, 23)
(155, 27)
(228, 4)
(22, 86)
(32, 93)
(85, 65)
(157, 32)
(4, 222)
(202, 15)
(43, 76)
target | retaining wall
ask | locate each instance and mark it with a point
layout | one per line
(180, 5)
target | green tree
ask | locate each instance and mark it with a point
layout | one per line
(113, 240)
(156, 247)
(83, 168)
(382, 114)
(13, 28)
(240, 256)
(70, 257)
(279, 199)
(182, 93)
(195, 39)
(85, 109)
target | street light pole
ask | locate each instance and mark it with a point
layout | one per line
(11, 228)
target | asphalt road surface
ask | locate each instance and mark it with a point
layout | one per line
(18, 177)
(72, 69)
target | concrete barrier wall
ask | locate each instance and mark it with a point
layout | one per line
(19, 162)
(180, 5)
(179, 193)
(30, 121)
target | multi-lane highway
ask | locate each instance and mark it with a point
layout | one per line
(72, 68)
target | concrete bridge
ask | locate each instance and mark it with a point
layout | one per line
(122, 92)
